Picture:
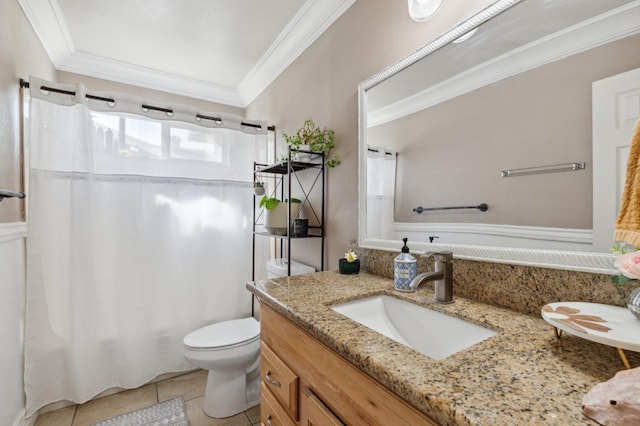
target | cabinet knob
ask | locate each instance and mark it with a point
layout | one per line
(269, 420)
(271, 380)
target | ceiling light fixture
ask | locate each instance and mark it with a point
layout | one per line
(421, 10)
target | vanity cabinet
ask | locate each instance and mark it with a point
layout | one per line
(306, 383)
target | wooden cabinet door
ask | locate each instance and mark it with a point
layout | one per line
(271, 412)
(280, 379)
(318, 414)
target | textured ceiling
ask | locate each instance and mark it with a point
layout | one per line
(219, 50)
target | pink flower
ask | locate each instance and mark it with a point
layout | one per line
(629, 265)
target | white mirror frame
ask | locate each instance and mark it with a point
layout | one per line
(555, 259)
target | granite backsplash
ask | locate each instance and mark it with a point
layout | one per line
(520, 288)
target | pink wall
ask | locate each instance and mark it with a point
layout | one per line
(322, 84)
(537, 118)
(21, 54)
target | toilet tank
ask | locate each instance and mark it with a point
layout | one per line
(278, 268)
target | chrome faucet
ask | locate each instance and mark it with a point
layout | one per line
(442, 276)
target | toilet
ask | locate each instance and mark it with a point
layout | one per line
(230, 351)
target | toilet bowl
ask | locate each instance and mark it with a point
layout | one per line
(230, 351)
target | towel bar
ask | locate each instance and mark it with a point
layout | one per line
(482, 207)
(565, 167)
(9, 194)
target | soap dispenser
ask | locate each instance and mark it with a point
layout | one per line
(405, 269)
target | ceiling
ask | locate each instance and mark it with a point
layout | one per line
(225, 51)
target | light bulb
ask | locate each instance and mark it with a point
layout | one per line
(421, 10)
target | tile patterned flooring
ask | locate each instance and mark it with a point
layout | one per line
(191, 386)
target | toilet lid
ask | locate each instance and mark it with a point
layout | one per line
(226, 333)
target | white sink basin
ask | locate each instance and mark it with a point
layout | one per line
(431, 333)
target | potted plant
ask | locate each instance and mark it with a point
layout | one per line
(311, 137)
(258, 188)
(350, 264)
(275, 218)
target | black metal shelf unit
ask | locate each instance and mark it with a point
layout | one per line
(286, 179)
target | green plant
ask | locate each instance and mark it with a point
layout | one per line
(271, 203)
(319, 140)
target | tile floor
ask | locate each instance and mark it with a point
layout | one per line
(191, 386)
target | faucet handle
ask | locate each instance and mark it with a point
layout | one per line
(442, 256)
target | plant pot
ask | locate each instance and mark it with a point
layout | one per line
(300, 227)
(303, 156)
(275, 220)
(347, 268)
(258, 190)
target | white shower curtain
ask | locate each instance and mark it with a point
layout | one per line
(381, 182)
(139, 232)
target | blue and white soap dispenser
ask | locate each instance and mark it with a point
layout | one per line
(405, 269)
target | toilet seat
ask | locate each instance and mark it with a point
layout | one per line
(224, 335)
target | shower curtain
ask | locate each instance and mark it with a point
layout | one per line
(139, 231)
(381, 182)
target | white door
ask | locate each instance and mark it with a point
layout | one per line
(616, 108)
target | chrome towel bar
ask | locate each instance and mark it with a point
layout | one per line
(9, 194)
(482, 207)
(565, 167)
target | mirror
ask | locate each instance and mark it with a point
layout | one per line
(460, 141)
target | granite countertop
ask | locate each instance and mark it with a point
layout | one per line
(522, 375)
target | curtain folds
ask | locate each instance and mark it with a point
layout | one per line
(381, 179)
(139, 232)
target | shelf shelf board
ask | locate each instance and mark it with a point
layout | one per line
(282, 167)
(293, 237)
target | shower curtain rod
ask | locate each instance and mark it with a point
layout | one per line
(377, 150)
(25, 84)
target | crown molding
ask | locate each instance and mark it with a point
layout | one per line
(309, 23)
(313, 19)
(608, 27)
(108, 69)
(50, 27)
